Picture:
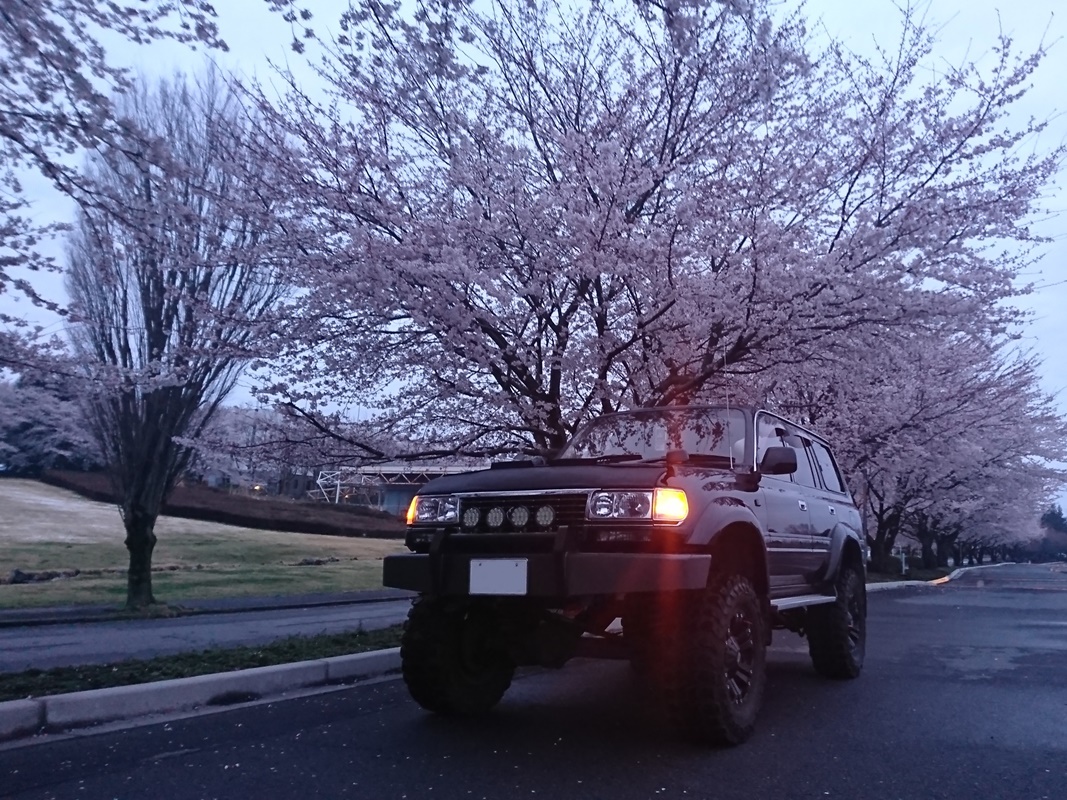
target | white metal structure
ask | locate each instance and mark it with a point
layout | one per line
(365, 484)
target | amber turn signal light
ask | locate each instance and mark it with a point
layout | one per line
(669, 505)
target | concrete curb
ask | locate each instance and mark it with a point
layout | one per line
(883, 586)
(21, 718)
(886, 585)
(957, 572)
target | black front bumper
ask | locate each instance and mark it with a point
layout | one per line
(556, 575)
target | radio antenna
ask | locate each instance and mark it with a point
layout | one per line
(729, 434)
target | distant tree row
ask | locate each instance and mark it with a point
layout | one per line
(1054, 520)
(42, 428)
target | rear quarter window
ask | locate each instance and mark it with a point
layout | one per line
(831, 476)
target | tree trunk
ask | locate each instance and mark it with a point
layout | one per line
(926, 535)
(880, 554)
(887, 526)
(140, 542)
(946, 545)
(928, 555)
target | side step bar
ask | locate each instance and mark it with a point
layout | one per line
(801, 601)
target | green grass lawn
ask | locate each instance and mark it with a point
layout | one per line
(44, 528)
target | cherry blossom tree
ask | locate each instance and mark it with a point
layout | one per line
(170, 293)
(237, 445)
(988, 509)
(517, 215)
(944, 439)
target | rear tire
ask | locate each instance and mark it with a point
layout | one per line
(722, 671)
(450, 659)
(837, 632)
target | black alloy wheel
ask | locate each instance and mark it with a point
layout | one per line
(740, 657)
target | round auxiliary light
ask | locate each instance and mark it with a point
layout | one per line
(519, 516)
(471, 517)
(495, 517)
(544, 516)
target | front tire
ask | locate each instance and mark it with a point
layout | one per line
(837, 632)
(450, 659)
(723, 668)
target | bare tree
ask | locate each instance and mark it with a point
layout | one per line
(55, 59)
(169, 293)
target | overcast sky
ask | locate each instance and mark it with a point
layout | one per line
(968, 31)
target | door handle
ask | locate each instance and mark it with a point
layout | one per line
(833, 511)
(803, 505)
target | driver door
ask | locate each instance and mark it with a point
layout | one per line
(786, 515)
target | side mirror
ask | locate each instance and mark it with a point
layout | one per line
(779, 461)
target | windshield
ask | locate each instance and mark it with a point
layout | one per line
(650, 433)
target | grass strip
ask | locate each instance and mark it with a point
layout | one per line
(39, 683)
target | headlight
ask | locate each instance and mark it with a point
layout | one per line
(433, 509)
(660, 505)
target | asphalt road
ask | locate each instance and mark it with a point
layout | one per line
(964, 697)
(47, 646)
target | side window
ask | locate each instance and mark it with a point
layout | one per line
(769, 432)
(805, 475)
(775, 432)
(831, 477)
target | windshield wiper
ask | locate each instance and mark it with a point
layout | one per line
(615, 458)
(691, 458)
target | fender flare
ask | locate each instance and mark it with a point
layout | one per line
(839, 540)
(720, 515)
(716, 522)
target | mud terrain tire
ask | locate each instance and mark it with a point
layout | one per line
(448, 658)
(837, 632)
(722, 672)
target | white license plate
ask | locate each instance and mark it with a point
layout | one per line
(498, 576)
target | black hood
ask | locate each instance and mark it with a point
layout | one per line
(570, 476)
(518, 479)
